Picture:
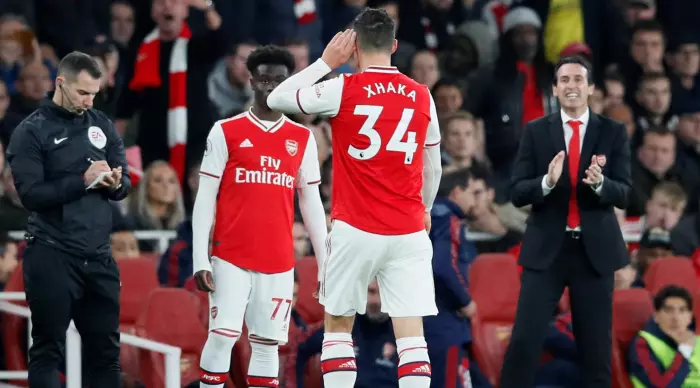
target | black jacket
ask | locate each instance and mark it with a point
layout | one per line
(49, 152)
(600, 231)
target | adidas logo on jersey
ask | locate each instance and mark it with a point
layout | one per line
(246, 144)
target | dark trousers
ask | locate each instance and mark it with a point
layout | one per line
(591, 309)
(61, 287)
(449, 367)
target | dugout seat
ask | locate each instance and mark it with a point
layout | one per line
(671, 270)
(307, 306)
(171, 316)
(494, 283)
(138, 277)
(14, 329)
(632, 308)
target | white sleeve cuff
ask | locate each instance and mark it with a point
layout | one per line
(599, 188)
(545, 187)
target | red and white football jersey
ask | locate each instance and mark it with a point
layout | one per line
(259, 164)
(381, 120)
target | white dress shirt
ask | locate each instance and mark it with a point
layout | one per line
(568, 134)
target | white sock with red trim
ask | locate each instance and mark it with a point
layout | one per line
(263, 370)
(338, 360)
(216, 358)
(414, 363)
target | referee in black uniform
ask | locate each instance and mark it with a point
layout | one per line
(57, 155)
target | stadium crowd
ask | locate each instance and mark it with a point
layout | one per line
(489, 65)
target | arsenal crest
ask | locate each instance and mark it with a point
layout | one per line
(214, 312)
(291, 147)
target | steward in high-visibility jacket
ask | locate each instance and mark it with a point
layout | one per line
(657, 361)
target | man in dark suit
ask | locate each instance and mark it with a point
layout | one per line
(573, 167)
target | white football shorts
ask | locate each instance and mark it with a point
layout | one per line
(402, 265)
(264, 300)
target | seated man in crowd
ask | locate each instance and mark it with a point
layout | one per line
(665, 354)
(375, 349)
(654, 244)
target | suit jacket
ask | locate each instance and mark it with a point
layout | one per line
(600, 231)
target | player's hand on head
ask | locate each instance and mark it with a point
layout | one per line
(204, 281)
(339, 49)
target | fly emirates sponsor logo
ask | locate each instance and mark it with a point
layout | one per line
(268, 174)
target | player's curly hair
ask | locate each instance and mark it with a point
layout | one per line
(270, 55)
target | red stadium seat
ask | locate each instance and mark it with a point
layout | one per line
(14, 329)
(191, 285)
(494, 284)
(671, 270)
(171, 316)
(307, 306)
(138, 277)
(632, 308)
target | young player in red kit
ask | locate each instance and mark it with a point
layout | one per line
(386, 171)
(253, 164)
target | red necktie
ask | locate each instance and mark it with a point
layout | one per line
(573, 220)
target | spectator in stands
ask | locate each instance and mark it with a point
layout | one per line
(375, 349)
(14, 32)
(622, 113)
(107, 57)
(665, 207)
(13, 216)
(8, 120)
(33, 84)
(424, 68)
(229, 82)
(300, 51)
(654, 244)
(326, 182)
(459, 140)
(8, 258)
(122, 27)
(175, 114)
(654, 164)
(614, 88)
(448, 97)
(124, 245)
(684, 62)
(157, 203)
(688, 151)
(646, 54)
(665, 353)
(505, 222)
(596, 101)
(653, 97)
(448, 334)
(302, 244)
(430, 24)
(175, 265)
(516, 90)
(472, 47)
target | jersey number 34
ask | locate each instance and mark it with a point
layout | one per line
(395, 144)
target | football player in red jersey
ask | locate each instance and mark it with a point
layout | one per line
(254, 164)
(386, 171)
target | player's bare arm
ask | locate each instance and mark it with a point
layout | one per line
(300, 93)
